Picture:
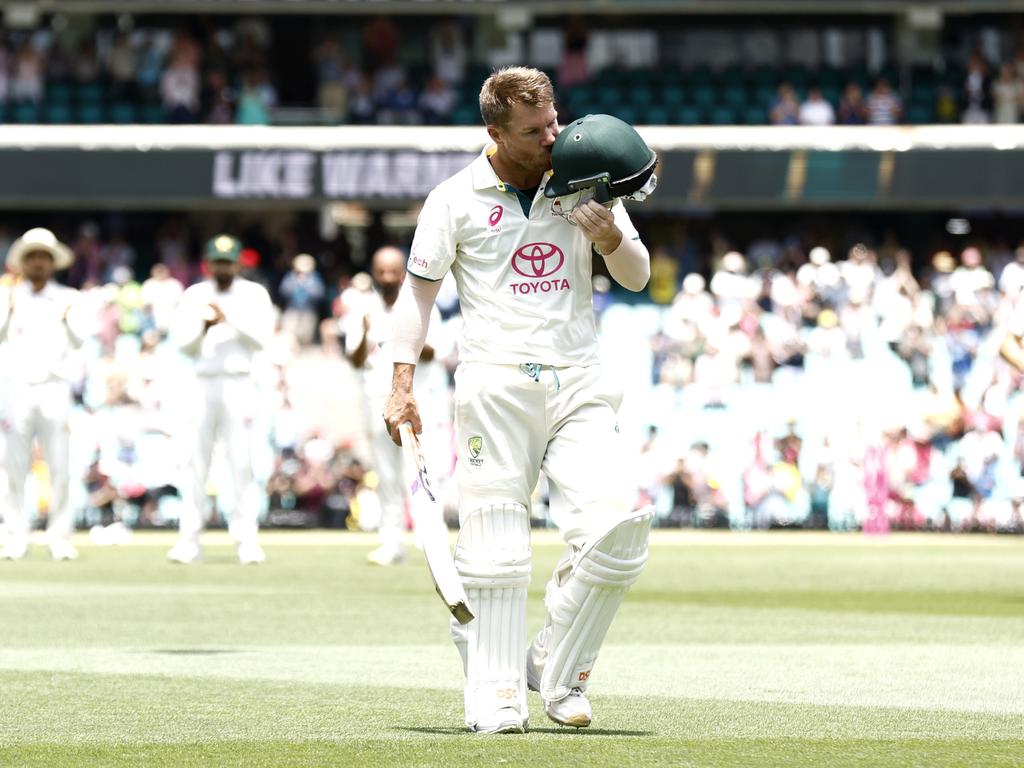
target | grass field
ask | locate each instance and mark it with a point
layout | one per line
(733, 650)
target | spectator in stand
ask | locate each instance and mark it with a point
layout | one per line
(380, 43)
(256, 99)
(27, 79)
(122, 67)
(785, 109)
(332, 89)
(302, 290)
(971, 280)
(149, 72)
(5, 66)
(160, 295)
(976, 90)
(219, 99)
(1011, 279)
(1007, 96)
(436, 101)
(884, 106)
(179, 87)
(362, 109)
(574, 69)
(85, 67)
(816, 110)
(852, 109)
(400, 107)
(448, 52)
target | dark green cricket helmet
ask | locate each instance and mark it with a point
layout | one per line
(604, 152)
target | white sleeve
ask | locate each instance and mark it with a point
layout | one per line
(433, 246)
(630, 263)
(412, 314)
(187, 327)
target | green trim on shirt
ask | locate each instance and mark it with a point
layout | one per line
(525, 200)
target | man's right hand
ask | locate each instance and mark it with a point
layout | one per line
(401, 405)
(400, 408)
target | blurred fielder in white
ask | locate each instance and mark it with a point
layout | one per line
(39, 329)
(222, 323)
(529, 392)
(369, 330)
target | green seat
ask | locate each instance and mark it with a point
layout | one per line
(25, 113)
(58, 93)
(689, 115)
(466, 115)
(123, 113)
(722, 115)
(673, 95)
(657, 116)
(57, 113)
(918, 114)
(89, 114)
(755, 115)
(88, 93)
(735, 97)
(153, 114)
(626, 114)
(641, 97)
(704, 96)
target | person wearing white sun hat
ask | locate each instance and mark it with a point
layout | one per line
(39, 329)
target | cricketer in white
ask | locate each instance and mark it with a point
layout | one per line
(222, 323)
(39, 329)
(529, 396)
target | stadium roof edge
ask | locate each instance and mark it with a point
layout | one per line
(134, 138)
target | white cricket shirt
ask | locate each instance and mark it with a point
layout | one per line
(523, 282)
(376, 372)
(228, 347)
(37, 342)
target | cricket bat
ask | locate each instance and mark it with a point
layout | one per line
(428, 517)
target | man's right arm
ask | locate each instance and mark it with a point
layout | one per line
(411, 321)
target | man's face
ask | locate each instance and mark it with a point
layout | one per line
(37, 266)
(223, 272)
(389, 272)
(527, 139)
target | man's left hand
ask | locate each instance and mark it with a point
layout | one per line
(598, 224)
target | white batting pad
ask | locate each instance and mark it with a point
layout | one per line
(581, 609)
(493, 558)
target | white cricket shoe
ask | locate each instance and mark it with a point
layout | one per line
(186, 552)
(505, 720)
(250, 553)
(14, 550)
(387, 554)
(574, 710)
(62, 549)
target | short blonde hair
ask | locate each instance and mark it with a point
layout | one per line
(509, 86)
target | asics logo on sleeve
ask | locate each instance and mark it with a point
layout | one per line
(495, 216)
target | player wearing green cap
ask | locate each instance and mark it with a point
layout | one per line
(222, 323)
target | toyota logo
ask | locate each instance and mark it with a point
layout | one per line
(538, 259)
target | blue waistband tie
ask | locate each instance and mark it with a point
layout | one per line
(533, 371)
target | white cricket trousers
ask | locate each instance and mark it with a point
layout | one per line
(387, 459)
(224, 410)
(38, 412)
(512, 421)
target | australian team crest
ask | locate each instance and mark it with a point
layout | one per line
(476, 445)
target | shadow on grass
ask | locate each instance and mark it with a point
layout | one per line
(555, 729)
(191, 651)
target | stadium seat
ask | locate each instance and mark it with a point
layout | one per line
(88, 93)
(25, 113)
(57, 113)
(755, 115)
(3, 112)
(466, 115)
(89, 114)
(656, 116)
(626, 113)
(689, 115)
(124, 113)
(58, 93)
(919, 114)
(722, 115)
(153, 114)
(735, 97)
(704, 95)
(641, 97)
(672, 95)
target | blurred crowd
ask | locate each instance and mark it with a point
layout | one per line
(393, 70)
(784, 386)
(845, 393)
